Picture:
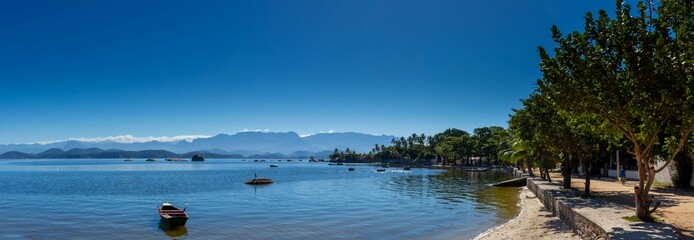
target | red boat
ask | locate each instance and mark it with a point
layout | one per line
(172, 216)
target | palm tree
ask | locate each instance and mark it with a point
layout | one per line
(519, 153)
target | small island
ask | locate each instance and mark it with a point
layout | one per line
(197, 158)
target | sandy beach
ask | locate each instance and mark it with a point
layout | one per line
(533, 222)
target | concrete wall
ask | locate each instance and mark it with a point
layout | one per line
(553, 202)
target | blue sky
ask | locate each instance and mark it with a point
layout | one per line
(73, 69)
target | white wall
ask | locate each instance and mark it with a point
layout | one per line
(665, 176)
(631, 174)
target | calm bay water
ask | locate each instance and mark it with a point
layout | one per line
(113, 199)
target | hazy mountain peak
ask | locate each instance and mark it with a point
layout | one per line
(247, 142)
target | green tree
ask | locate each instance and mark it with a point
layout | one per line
(635, 73)
(518, 152)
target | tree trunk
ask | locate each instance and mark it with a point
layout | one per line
(528, 163)
(520, 166)
(641, 207)
(542, 174)
(642, 198)
(547, 174)
(566, 172)
(587, 167)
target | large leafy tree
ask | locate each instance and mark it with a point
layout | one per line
(487, 140)
(545, 131)
(635, 73)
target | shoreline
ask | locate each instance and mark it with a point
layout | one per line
(497, 228)
(533, 221)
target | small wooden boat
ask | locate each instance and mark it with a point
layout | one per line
(380, 170)
(259, 181)
(151, 160)
(273, 165)
(172, 216)
(351, 169)
(128, 160)
(406, 168)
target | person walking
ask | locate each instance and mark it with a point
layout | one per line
(622, 175)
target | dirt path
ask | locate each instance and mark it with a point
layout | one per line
(677, 206)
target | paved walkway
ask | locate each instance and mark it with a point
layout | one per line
(596, 218)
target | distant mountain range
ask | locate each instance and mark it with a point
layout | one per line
(55, 153)
(242, 144)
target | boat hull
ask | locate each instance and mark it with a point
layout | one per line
(171, 216)
(172, 222)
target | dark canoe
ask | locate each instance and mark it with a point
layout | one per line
(259, 181)
(172, 216)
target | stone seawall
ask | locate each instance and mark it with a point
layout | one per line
(555, 201)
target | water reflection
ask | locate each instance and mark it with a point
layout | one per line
(172, 232)
(455, 188)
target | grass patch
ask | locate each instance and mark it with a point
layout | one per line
(654, 219)
(662, 185)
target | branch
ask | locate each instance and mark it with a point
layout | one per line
(619, 127)
(680, 146)
(654, 137)
(654, 208)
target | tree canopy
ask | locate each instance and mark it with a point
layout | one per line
(634, 74)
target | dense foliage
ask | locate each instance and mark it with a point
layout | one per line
(450, 147)
(632, 75)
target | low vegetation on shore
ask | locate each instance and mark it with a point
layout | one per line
(452, 146)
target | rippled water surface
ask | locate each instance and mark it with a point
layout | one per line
(113, 199)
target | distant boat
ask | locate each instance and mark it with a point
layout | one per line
(273, 165)
(259, 181)
(351, 169)
(151, 160)
(128, 160)
(172, 216)
(380, 170)
(340, 163)
(406, 168)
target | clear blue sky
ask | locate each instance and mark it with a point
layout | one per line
(163, 68)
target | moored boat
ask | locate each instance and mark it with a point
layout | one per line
(172, 216)
(259, 181)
